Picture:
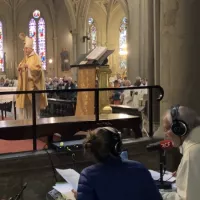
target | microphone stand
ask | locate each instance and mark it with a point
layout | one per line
(17, 197)
(73, 156)
(161, 183)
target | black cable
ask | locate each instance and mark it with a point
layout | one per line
(73, 156)
(51, 162)
(74, 161)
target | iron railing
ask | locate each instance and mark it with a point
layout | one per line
(96, 90)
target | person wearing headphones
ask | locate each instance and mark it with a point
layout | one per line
(113, 177)
(182, 127)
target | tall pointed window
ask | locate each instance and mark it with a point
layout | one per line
(92, 33)
(1, 48)
(123, 43)
(37, 31)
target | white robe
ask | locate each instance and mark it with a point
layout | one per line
(188, 174)
(127, 98)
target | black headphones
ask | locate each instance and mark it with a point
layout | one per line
(116, 143)
(179, 127)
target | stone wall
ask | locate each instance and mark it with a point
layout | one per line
(35, 168)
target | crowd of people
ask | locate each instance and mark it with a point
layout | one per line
(133, 98)
(65, 83)
(5, 82)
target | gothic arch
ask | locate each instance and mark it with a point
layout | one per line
(125, 7)
(70, 9)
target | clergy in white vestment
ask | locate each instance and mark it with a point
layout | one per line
(127, 96)
(187, 139)
(137, 93)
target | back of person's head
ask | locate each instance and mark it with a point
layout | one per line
(116, 83)
(103, 142)
(186, 115)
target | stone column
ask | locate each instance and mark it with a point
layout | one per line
(156, 13)
(133, 39)
(74, 70)
(15, 36)
(149, 58)
(180, 53)
(55, 53)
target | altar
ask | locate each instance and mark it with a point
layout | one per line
(5, 99)
(8, 97)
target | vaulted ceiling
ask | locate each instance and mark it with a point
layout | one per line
(107, 5)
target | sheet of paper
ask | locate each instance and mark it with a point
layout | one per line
(167, 176)
(69, 196)
(71, 176)
(63, 188)
(96, 53)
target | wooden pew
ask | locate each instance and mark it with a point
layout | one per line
(126, 110)
(66, 126)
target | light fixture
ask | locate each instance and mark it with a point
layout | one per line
(50, 61)
(85, 38)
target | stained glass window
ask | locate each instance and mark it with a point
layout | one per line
(123, 42)
(92, 33)
(37, 31)
(32, 33)
(1, 48)
(36, 14)
(42, 41)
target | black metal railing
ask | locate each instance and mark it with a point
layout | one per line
(96, 90)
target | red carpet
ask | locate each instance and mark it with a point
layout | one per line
(23, 145)
(19, 146)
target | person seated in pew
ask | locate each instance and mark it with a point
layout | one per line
(113, 177)
(116, 95)
(182, 127)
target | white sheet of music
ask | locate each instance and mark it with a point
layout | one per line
(71, 176)
(65, 190)
(167, 176)
(97, 53)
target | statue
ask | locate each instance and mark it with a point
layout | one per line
(65, 64)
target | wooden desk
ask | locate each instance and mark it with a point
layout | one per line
(66, 126)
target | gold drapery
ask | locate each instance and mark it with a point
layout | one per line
(85, 100)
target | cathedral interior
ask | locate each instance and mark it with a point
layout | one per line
(155, 42)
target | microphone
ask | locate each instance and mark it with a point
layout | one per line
(159, 146)
(17, 197)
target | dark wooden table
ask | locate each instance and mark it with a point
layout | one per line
(66, 126)
(126, 110)
(59, 107)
